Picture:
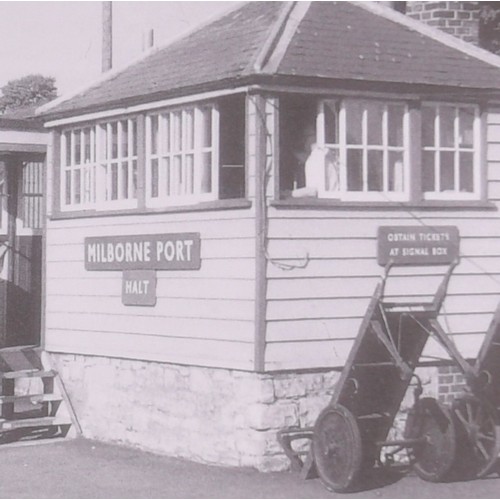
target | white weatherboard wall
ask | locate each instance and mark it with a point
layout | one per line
(202, 317)
(314, 312)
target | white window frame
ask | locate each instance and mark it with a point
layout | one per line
(342, 147)
(164, 154)
(456, 149)
(96, 174)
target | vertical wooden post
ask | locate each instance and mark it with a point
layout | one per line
(260, 235)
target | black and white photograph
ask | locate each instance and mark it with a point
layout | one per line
(249, 249)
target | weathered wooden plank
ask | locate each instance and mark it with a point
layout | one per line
(223, 354)
(359, 228)
(135, 323)
(366, 267)
(199, 288)
(333, 353)
(356, 307)
(493, 170)
(303, 355)
(348, 328)
(493, 133)
(208, 229)
(179, 308)
(493, 151)
(210, 268)
(493, 116)
(153, 219)
(468, 345)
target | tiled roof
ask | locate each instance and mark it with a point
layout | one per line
(224, 50)
(329, 40)
(341, 40)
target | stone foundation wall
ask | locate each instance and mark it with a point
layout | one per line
(209, 415)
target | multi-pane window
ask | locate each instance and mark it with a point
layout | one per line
(182, 155)
(450, 151)
(99, 165)
(364, 150)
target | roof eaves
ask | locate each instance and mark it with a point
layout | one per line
(290, 25)
(434, 33)
(109, 75)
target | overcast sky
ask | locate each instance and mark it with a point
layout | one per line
(63, 39)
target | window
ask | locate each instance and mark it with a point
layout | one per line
(450, 149)
(182, 156)
(99, 166)
(368, 150)
(360, 151)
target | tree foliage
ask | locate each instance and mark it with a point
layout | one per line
(28, 91)
(489, 26)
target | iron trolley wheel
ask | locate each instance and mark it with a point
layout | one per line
(479, 423)
(337, 448)
(435, 456)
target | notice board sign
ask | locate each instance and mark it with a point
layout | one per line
(178, 251)
(417, 245)
(139, 288)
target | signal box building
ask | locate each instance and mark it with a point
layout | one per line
(214, 215)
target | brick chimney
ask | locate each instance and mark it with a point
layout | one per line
(460, 19)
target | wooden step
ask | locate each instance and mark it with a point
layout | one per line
(28, 373)
(8, 425)
(31, 398)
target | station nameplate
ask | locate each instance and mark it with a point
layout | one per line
(139, 288)
(178, 251)
(407, 245)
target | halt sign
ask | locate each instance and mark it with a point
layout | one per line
(417, 245)
(139, 288)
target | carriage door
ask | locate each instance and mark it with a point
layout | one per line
(21, 247)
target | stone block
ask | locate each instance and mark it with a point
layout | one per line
(264, 417)
(256, 389)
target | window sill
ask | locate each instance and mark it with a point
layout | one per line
(329, 204)
(199, 207)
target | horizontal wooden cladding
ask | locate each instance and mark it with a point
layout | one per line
(333, 353)
(331, 308)
(493, 116)
(467, 344)
(305, 228)
(165, 308)
(493, 170)
(202, 352)
(396, 286)
(135, 323)
(135, 220)
(347, 328)
(169, 287)
(368, 268)
(302, 249)
(210, 268)
(208, 230)
(401, 216)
